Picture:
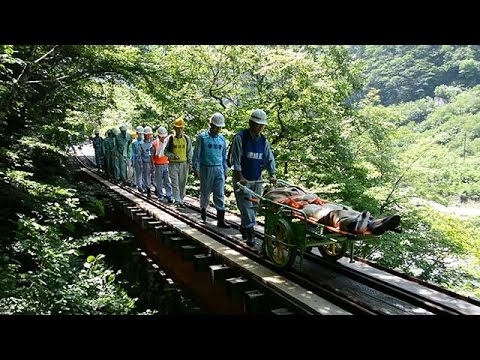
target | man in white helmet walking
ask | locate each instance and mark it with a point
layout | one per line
(160, 161)
(146, 153)
(210, 166)
(136, 159)
(121, 147)
(251, 154)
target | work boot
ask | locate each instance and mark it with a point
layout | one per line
(243, 231)
(148, 192)
(221, 219)
(250, 236)
(379, 226)
(204, 215)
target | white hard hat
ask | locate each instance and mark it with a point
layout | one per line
(148, 130)
(115, 131)
(217, 119)
(123, 127)
(162, 132)
(259, 117)
(139, 129)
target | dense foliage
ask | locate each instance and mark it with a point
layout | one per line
(431, 93)
(43, 266)
(46, 93)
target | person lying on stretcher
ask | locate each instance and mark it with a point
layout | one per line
(331, 214)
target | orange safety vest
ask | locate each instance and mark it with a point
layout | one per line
(159, 160)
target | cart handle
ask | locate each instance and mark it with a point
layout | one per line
(254, 182)
(248, 190)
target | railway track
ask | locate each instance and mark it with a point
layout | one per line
(359, 288)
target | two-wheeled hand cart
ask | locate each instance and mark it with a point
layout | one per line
(289, 231)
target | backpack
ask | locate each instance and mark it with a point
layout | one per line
(244, 142)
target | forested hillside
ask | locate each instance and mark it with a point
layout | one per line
(430, 94)
(444, 149)
(405, 73)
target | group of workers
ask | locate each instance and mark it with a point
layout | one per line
(169, 158)
(251, 154)
(137, 159)
(112, 152)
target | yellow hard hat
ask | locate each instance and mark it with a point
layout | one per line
(179, 123)
(133, 134)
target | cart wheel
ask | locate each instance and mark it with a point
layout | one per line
(334, 251)
(279, 244)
